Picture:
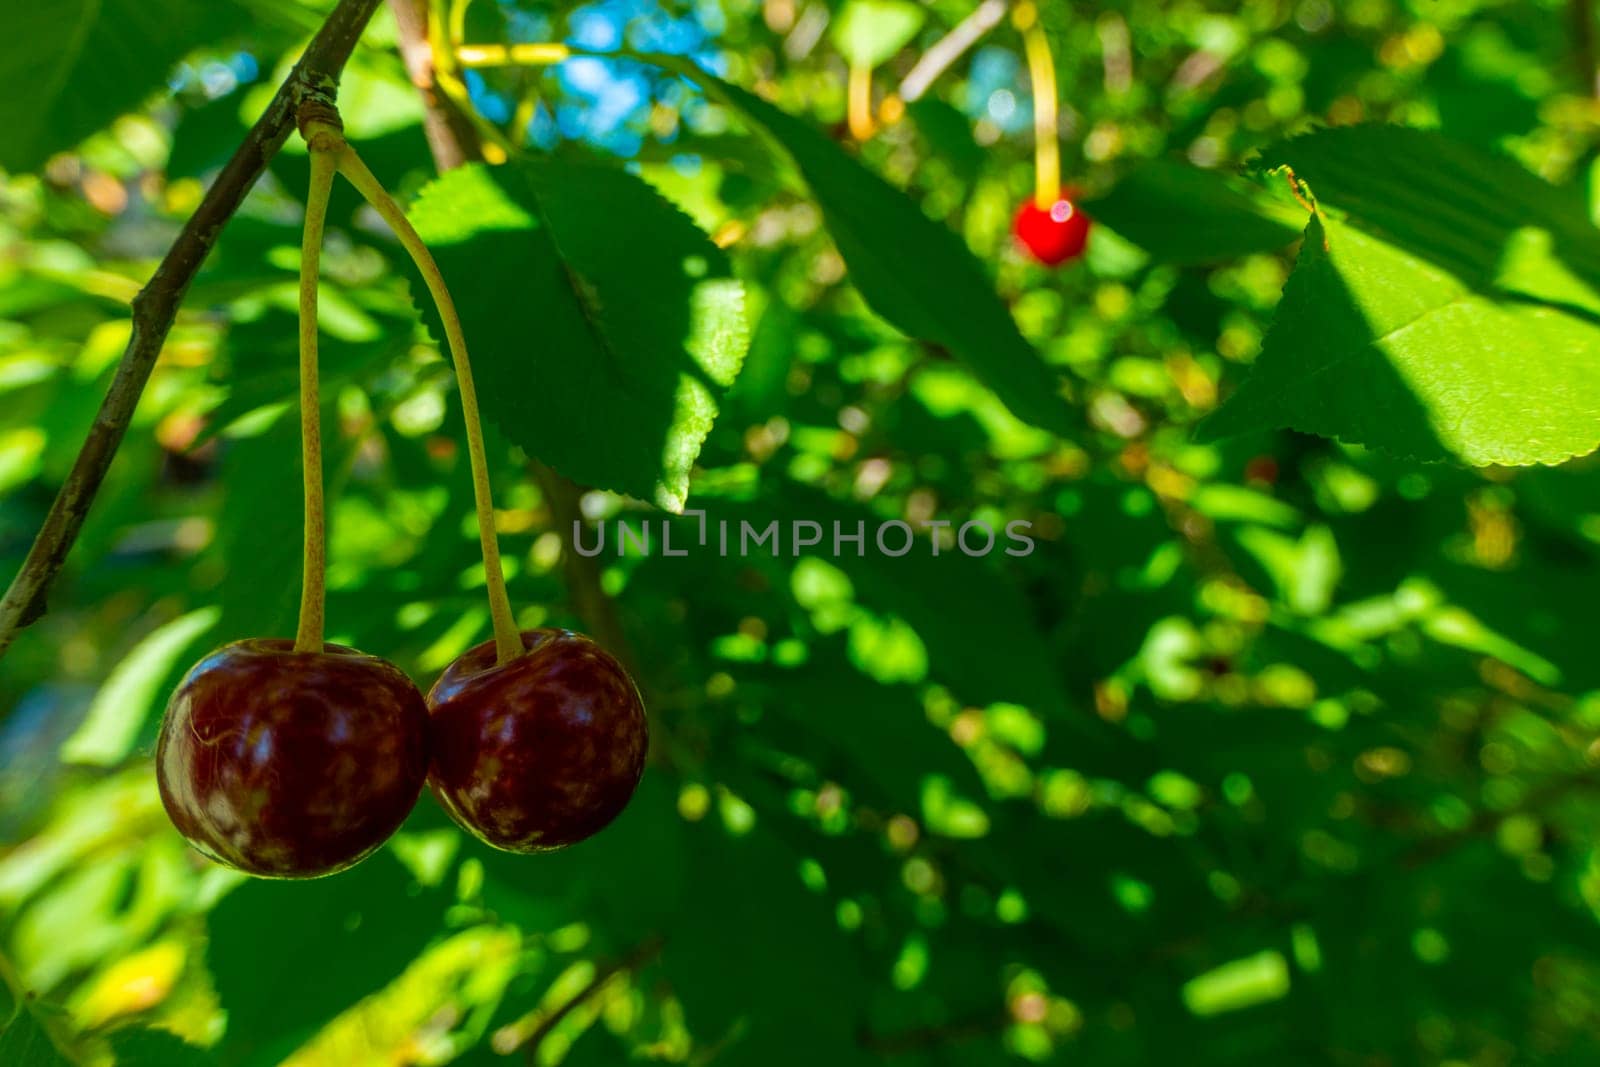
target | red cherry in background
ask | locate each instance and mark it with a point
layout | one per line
(540, 752)
(1054, 234)
(289, 764)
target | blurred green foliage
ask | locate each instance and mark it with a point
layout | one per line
(1273, 750)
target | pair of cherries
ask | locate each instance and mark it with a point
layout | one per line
(286, 764)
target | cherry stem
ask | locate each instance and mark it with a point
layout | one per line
(507, 639)
(860, 102)
(313, 587)
(1046, 119)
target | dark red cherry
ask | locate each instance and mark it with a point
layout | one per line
(289, 764)
(541, 752)
(1054, 234)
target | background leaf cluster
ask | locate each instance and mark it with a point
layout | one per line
(1278, 748)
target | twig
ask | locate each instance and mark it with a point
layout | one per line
(949, 48)
(807, 32)
(1116, 54)
(928, 1036)
(315, 75)
(1431, 849)
(454, 141)
(636, 957)
(451, 138)
(589, 600)
(1584, 47)
(1199, 67)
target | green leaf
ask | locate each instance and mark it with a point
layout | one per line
(1240, 983)
(1375, 346)
(24, 1040)
(869, 32)
(1458, 206)
(828, 707)
(156, 1048)
(132, 690)
(24, 1043)
(913, 271)
(1183, 214)
(762, 976)
(598, 879)
(264, 352)
(66, 70)
(1305, 571)
(614, 327)
(1446, 310)
(261, 525)
(259, 530)
(289, 956)
(974, 622)
(948, 131)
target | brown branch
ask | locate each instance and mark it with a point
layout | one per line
(454, 141)
(1431, 849)
(1584, 47)
(451, 138)
(637, 957)
(315, 75)
(926, 1037)
(582, 572)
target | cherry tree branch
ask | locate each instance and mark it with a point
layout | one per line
(156, 305)
(1584, 46)
(589, 599)
(451, 137)
(949, 48)
(637, 957)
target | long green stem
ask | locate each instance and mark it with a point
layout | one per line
(313, 588)
(507, 640)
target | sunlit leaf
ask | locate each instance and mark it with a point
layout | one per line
(869, 32)
(1445, 312)
(614, 330)
(134, 689)
(1239, 984)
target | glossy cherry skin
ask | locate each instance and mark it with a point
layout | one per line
(1053, 235)
(287, 764)
(541, 752)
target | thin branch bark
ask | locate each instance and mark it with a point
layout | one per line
(1431, 849)
(949, 48)
(1584, 46)
(931, 1036)
(451, 138)
(454, 141)
(582, 572)
(315, 75)
(637, 957)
